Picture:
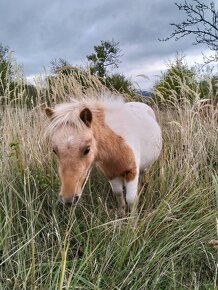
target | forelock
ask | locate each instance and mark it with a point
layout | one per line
(66, 114)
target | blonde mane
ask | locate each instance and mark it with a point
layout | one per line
(69, 113)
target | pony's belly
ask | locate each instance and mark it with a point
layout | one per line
(146, 162)
(146, 145)
(150, 150)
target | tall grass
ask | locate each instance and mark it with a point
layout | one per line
(44, 245)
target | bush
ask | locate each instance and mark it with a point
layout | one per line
(177, 84)
(119, 83)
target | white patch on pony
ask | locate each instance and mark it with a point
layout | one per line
(117, 184)
(137, 125)
(70, 140)
(131, 191)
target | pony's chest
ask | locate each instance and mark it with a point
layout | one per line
(117, 163)
(112, 169)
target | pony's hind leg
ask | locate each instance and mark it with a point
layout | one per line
(117, 188)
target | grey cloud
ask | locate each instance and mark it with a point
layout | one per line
(39, 31)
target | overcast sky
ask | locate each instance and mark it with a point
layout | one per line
(43, 30)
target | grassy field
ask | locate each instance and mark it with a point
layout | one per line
(44, 245)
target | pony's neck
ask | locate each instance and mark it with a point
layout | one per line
(105, 138)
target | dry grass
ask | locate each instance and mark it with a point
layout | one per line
(45, 246)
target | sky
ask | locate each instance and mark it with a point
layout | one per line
(43, 30)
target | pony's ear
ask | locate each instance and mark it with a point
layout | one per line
(49, 112)
(86, 117)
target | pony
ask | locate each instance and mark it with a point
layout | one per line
(121, 139)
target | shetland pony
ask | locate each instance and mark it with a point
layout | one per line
(121, 139)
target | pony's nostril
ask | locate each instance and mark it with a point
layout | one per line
(65, 201)
(69, 202)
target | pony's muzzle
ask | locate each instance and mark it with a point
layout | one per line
(69, 201)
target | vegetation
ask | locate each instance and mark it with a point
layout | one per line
(105, 58)
(12, 82)
(181, 84)
(177, 84)
(106, 55)
(46, 246)
(201, 22)
(208, 87)
(120, 83)
(6, 70)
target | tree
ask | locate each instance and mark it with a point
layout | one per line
(201, 22)
(6, 71)
(61, 66)
(106, 56)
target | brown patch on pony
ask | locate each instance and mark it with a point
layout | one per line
(130, 175)
(114, 157)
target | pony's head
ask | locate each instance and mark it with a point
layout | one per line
(74, 144)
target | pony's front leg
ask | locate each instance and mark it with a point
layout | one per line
(117, 188)
(131, 192)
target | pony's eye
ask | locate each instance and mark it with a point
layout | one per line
(86, 151)
(54, 151)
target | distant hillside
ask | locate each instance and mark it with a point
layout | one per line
(144, 93)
